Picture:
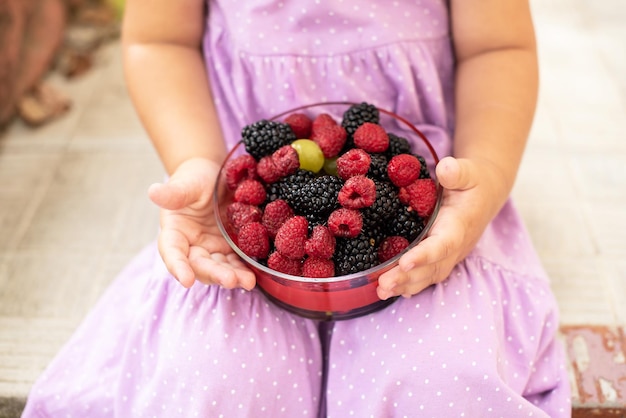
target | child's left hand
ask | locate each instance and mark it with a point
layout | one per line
(467, 208)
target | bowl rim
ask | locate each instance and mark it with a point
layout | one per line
(379, 268)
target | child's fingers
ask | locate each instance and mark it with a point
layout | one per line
(218, 268)
(172, 195)
(455, 173)
(173, 249)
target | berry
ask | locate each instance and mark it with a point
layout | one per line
(321, 244)
(357, 115)
(358, 192)
(277, 261)
(318, 196)
(424, 173)
(371, 138)
(286, 160)
(238, 169)
(422, 196)
(406, 223)
(345, 223)
(251, 192)
(391, 246)
(378, 167)
(318, 267)
(330, 139)
(275, 215)
(385, 205)
(289, 187)
(300, 124)
(253, 240)
(398, 145)
(267, 171)
(354, 255)
(403, 169)
(310, 155)
(322, 120)
(239, 214)
(354, 162)
(291, 237)
(264, 137)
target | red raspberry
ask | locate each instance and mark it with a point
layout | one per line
(345, 223)
(321, 120)
(371, 137)
(253, 240)
(239, 214)
(286, 160)
(238, 169)
(357, 192)
(391, 246)
(277, 261)
(251, 192)
(321, 244)
(291, 237)
(275, 215)
(421, 196)
(330, 139)
(354, 162)
(318, 267)
(403, 169)
(266, 169)
(300, 125)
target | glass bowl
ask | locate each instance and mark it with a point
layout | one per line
(331, 298)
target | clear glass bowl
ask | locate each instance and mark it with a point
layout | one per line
(332, 298)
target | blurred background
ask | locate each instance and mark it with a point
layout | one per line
(75, 165)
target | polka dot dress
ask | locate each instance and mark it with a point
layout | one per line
(480, 344)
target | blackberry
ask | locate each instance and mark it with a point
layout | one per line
(353, 255)
(424, 173)
(375, 232)
(288, 188)
(378, 167)
(398, 145)
(355, 116)
(264, 137)
(318, 196)
(406, 223)
(385, 206)
(315, 219)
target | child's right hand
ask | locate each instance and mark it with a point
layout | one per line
(190, 242)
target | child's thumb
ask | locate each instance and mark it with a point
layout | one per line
(171, 195)
(455, 173)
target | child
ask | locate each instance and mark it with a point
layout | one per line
(473, 336)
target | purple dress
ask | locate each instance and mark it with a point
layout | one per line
(480, 344)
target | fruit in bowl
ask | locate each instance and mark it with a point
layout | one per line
(321, 200)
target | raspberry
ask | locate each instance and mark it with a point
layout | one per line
(286, 160)
(321, 244)
(330, 139)
(403, 169)
(238, 169)
(267, 171)
(345, 223)
(318, 267)
(291, 237)
(358, 192)
(371, 138)
(251, 192)
(239, 214)
(275, 215)
(322, 120)
(354, 162)
(422, 196)
(277, 261)
(391, 246)
(300, 124)
(253, 240)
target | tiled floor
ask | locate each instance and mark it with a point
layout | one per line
(73, 207)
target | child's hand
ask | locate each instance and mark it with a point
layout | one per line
(190, 242)
(473, 194)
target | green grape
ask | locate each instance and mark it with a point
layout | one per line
(330, 166)
(310, 155)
